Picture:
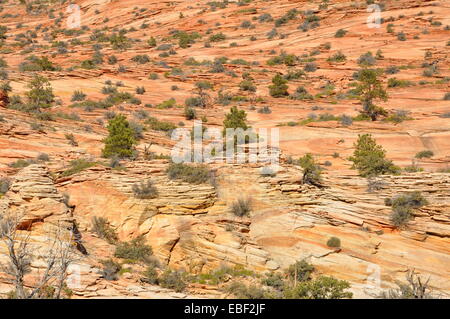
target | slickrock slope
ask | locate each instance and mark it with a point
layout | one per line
(44, 213)
(41, 209)
(360, 220)
(190, 226)
(185, 224)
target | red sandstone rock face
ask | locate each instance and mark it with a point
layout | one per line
(195, 230)
(190, 226)
(4, 100)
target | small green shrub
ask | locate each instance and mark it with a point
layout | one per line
(340, 33)
(150, 275)
(134, 250)
(34, 63)
(311, 170)
(151, 42)
(141, 59)
(43, 157)
(241, 207)
(217, 66)
(204, 85)
(334, 242)
(337, 57)
(394, 82)
(300, 271)
(241, 291)
(403, 205)
(186, 39)
(5, 183)
(235, 119)
(103, 229)
(112, 59)
(375, 184)
(424, 154)
(411, 200)
(153, 76)
(190, 113)
(398, 116)
(172, 279)
(413, 169)
(78, 96)
(119, 41)
(346, 120)
(283, 58)
(274, 280)
(247, 86)
(217, 37)
(194, 174)
(288, 16)
(301, 94)
(170, 103)
(294, 74)
(140, 90)
(193, 101)
(71, 139)
(392, 70)
(77, 166)
(20, 163)
(265, 110)
(322, 287)
(145, 190)
(158, 125)
(141, 114)
(265, 17)
(400, 216)
(110, 269)
(367, 59)
(310, 67)
(368, 89)
(401, 36)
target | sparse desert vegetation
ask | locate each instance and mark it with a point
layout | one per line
(119, 154)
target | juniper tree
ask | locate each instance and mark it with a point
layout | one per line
(403, 206)
(279, 86)
(322, 287)
(40, 94)
(369, 89)
(120, 141)
(152, 42)
(311, 170)
(235, 119)
(3, 31)
(369, 158)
